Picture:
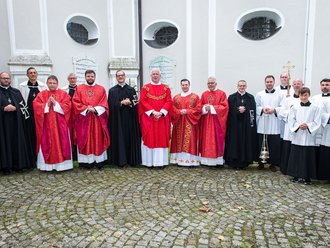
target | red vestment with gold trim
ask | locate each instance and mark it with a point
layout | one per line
(155, 133)
(185, 127)
(213, 126)
(91, 129)
(52, 128)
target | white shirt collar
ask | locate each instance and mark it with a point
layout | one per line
(186, 93)
(213, 90)
(5, 87)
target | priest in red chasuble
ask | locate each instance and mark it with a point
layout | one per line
(186, 112)
(91, 114)
(213, 125)
(154, 107)
(52, 109)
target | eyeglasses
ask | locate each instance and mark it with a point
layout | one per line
(5, 78)
(120, 75)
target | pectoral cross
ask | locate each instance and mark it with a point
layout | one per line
(209, 99)
(24, 110)
(89, 93)
(288, 67)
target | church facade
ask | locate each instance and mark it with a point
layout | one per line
(192, 39)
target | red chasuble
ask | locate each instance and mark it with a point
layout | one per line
(185, 127)
(52, 128)
(91, 129)
(213, 127)
(155, 133)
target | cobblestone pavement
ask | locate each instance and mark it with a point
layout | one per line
(140, 207)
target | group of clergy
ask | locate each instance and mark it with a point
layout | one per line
(48, 126)
(280, 127)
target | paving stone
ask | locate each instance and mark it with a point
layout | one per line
(140, 207)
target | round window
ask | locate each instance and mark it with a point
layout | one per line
(82, 30)
(259, 25)
(160, 34)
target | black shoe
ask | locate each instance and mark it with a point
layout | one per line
(85, 166)
(220, 165)
(272, 168)
(295, 180)
(6, 172)
(261, 166)
(307, 181)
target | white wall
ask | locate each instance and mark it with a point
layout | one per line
(208, 43)
(4, 37)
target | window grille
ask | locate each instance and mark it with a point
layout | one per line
(259, 28)
(166, 36)
(77, 32)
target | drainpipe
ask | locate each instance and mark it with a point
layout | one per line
(309, 42)
(140, 43)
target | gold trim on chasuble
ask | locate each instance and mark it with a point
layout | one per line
(153, 97)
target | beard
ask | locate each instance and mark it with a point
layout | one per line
(90, 82)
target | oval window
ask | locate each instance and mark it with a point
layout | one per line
(160, 34)
(82, 30)
(259, 25)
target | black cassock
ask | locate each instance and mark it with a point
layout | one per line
(241, 134)
(125, 135)
(15, 143)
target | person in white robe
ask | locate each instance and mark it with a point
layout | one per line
(269, 102)
(289, 102)
(304, 121)
(323, 171)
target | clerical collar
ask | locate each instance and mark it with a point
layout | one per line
(295, 96)
(325, 94)
(186, 93)
(283, 87)
(4, 87)
(72, 87)
(122, 85)
(89, 84)
(307, 104)
(272, 91)
(31, 85)
(153, 83)
(241, 93)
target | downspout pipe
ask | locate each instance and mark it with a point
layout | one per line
(140, 43)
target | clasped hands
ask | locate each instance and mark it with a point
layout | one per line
(241, 109)
(125, 101)
(91, 109)
(51, 101)
(157, 115)
(9, 108)
(183, 112)
(268, 110)
(303, 126)
(207, 107)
